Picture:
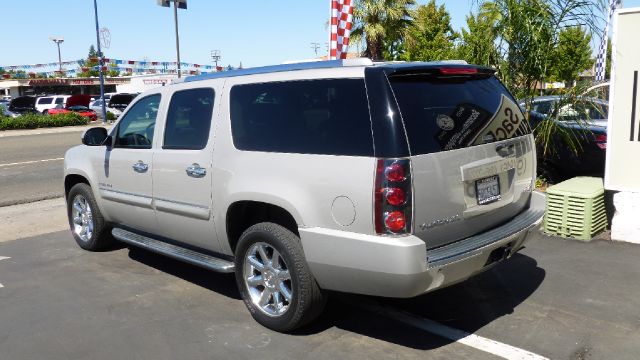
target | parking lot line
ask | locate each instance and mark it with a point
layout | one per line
(30, 162)
(475, 341)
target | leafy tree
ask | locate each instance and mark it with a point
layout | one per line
(89, 64)
(478, 45)
(528, 32)
(382, 24)
(92, 52)
(113, 71)
(430, 36)
(572, 56)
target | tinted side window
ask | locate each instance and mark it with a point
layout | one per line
(311, 117)
(189, 119)
(59, 101)
(45, 101)
(135, 130)
(543, 107)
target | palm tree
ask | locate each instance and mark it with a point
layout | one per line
(381, 23)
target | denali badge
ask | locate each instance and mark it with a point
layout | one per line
(445, 122)
(440, 222)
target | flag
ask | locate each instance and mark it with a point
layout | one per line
(341, 22)
(601, 59)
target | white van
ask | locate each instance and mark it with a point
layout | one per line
(46, 103)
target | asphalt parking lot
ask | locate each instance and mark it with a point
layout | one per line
(557, 299)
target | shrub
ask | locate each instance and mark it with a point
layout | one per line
(110, 116)
(33, 121)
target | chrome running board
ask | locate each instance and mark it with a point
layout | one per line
(192, 257)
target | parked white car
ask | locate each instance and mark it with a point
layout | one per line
(97, 107)
(46, 103)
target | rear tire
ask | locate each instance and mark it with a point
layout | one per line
(85, 220)
(274, 278)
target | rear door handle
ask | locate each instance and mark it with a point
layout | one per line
(140, 167)
(196, 171)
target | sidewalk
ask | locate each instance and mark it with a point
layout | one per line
(37, 218)
(57, 130)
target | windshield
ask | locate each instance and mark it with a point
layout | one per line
(584, 111)
(456, 112)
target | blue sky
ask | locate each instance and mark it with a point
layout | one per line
(252, 31)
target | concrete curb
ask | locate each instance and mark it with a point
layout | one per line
(32, 219)
(59, 130)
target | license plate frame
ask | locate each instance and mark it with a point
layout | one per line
(488, 190)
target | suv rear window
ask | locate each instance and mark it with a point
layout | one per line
(451, 113)
(328, 117)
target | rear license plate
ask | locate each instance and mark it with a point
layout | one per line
(488, 190)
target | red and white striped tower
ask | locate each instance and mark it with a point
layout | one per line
(341, 23)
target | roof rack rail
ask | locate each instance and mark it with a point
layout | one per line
(280, 68)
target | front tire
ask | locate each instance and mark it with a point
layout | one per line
(85, 220)
(274, 278)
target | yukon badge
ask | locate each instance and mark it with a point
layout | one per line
(440, 222)
(445, 122)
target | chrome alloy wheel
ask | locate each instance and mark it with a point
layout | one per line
(82, 218)
(267, 279)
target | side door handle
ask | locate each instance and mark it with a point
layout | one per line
(196, 171)
(140, 167)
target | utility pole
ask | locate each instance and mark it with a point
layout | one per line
(315, 46)
(104, 106)
(58, 41)
(215, 57)
(182, 4)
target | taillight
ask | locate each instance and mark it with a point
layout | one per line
(395, 221)
(601, 141)
(392, 197)
(395, 196)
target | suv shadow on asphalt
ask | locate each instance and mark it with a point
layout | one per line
(467, 306)
(223, 284)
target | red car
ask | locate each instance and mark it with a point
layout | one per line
(77, 104)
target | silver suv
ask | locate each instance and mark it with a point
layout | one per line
(386, 179)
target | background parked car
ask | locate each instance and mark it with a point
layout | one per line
(97, 107)
(121, 101)
(23, 104)
(46, 103)
(586, 122)
(4, 109)
(78, 104)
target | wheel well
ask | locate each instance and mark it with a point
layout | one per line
(243, 214)
(71, 180)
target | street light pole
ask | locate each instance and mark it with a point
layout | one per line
(58, 41)
(182, 4)
(175, 19)
(104, 107)
(59, 57)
